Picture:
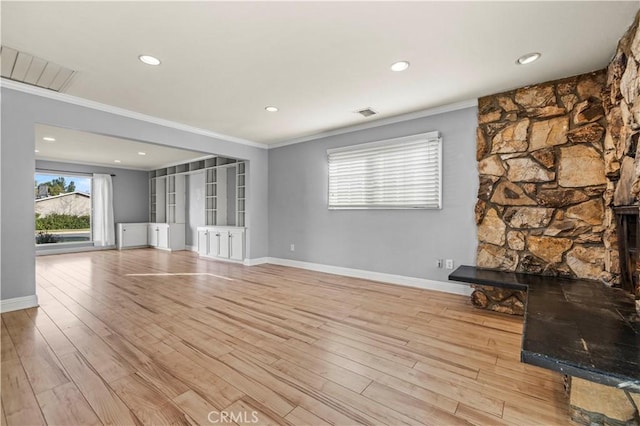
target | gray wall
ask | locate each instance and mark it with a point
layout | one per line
(130, 188)
(403, 242)
(22, 111)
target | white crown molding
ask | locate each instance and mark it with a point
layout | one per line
(380, 122)
(446, 287)
(62, 97)
(17, 303)
(85, 163)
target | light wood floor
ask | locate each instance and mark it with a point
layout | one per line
(283, 345)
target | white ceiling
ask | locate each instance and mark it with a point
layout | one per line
(73, 146)
(223, 62)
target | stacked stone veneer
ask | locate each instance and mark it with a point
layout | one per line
(540, 152)
(621, 102)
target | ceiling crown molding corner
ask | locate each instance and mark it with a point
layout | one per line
(70, 99)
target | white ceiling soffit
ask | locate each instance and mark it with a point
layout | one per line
(318, 62)
(73, 146)
(29, 69)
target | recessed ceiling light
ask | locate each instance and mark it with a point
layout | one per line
(49, 139)
(116, 161)
(271, 108)
(37, 150)
(142, 153)
(149, 60)
(399, 66)
(528, 58)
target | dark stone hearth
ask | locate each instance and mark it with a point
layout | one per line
(578, 327)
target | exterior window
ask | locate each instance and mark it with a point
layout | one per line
(63, 208)
(403, 173)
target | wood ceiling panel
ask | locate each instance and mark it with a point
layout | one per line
(8, 57)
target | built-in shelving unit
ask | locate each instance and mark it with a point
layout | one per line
(241, 200)
(225, 201)
(157, 198)
(211, 198)
(171, 199)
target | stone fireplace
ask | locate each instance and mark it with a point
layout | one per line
(559, 172)
(556, 161)
(541, 206)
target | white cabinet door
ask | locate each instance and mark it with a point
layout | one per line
(133, 235)
(223, 243)
(236, 244)
(163, 236)
(153, 234)
(213, 248)
(203, 243)
(223, 250)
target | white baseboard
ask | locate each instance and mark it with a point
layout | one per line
(256, 261)
(423, 283)
(191, 248)
(18, 303)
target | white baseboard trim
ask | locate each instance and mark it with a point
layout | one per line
(423, 283)
(256, 261)
(18, 303)
(191, 248)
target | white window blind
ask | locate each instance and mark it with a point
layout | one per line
(404, 173)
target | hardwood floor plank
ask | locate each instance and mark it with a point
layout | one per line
(478, 418)
(196, 407)
(41, 365)
(102, 358)
(3, 418)
(102, 399)
(412, 407)
(19, 401)
(149, 405)
(325, 406)
(65, 405)
(243, 381)
(440, 392)
(300, 416)
(322, 367)
(208, 384)
(55, 338)
(145, 367)
(247, 411)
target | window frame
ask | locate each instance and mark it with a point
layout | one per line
(429, 137)
(80, 175)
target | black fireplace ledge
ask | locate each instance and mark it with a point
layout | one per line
(578, 327)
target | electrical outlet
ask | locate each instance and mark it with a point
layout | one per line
(449, 264)
(293, 247)
(439, 263)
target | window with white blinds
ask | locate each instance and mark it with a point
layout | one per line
(403, 173)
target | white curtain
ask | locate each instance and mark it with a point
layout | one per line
(104, 233)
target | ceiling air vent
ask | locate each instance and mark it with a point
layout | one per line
(367, 112)
(26, 68)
